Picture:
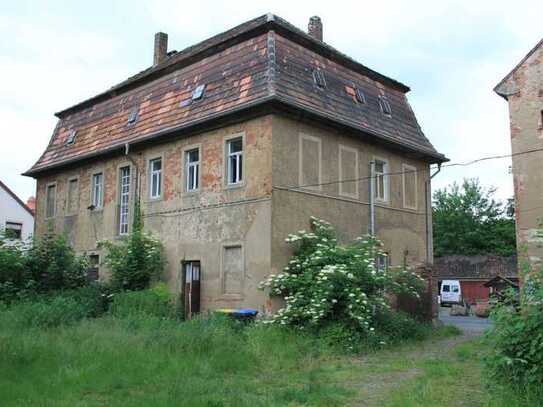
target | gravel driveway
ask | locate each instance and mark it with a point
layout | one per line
(470, 324)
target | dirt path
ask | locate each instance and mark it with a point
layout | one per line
(376, 376)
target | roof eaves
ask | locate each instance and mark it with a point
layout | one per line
(517, 66)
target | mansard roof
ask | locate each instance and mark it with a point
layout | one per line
(265, 62)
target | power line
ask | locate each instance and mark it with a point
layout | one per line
(464, 164)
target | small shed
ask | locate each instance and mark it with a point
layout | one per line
(498, 284)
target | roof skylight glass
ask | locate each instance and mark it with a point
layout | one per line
(318, 78)
(198, 93)
(71, 138)
(133, 116)
(385, 106)
(360, 96)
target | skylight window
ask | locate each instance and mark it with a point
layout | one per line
(385, 106)
(198, 93)
(133, 116)
(318, 78)
(360, 96)
(71, 138)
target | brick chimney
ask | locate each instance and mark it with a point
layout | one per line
(161, 48)
(314, 28)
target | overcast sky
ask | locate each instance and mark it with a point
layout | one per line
(54, 54)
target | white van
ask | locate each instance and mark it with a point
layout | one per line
(450, 293)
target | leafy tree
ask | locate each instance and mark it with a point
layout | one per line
(468, 220)
(136, 260)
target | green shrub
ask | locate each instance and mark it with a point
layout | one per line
(327, 283)
(515, 343)
(94, 298)
(145, 303)
(47, 313)
(136, 260)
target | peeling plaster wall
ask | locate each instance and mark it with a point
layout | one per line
(526, 120)
(192, 226)
(402, 230)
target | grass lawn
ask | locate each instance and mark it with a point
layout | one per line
(141, 362)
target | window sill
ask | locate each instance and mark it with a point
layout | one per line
(234, 186)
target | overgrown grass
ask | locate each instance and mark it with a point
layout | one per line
(151, 361)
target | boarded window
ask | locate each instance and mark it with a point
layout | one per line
(409, 177)
(93, 272)
(310, 161)
(73, 196)
(233, 270)
(348, 171)
(50, 204)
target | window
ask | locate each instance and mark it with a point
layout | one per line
(50, 204)
(455, 289)
(385, 106)
(198, 93)
(72, 204)
(232, 270)
(446, 289)
(381, 180)
(133, 116)
(192, 169)
(13, 230)
(97, 198)
(381, 262)
(124, 199)
(540, 124)
(360, 96)
(94, 267)
(155, 184)
(318, 78)
(310, 162)
(235, 160)
(348, 171)
(409, 181)
(71, 138)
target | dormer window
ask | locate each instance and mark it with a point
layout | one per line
(71, 138)
(385, 106)
(360, 96)
(318, 78)
(133, 116)
(198, 93)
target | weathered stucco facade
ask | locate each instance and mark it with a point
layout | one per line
(523, 90)
(307, 120)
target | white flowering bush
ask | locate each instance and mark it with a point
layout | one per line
(328, 283)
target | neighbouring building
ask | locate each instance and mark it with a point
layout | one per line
(473, 273)
(232, 144)
(16, 218)
(523, 90)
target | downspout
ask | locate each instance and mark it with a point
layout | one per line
(429, 229)
(372, 199)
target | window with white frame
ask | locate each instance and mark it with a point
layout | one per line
(409, 186)
(155, 178)
(50, 198)
(381, 180)
(234, 161)
(97, 198)
(124, 199)
(382, 262)
(192, 170)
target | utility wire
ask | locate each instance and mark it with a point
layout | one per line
(464, 164)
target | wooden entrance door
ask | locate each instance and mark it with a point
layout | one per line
(191, 286)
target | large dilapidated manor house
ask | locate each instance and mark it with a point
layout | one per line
(232, 144)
